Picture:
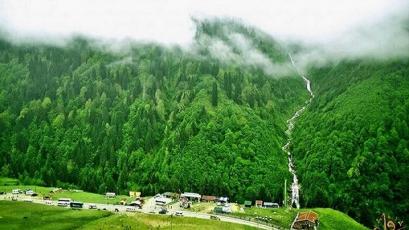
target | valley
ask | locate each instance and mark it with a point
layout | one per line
(232, 115)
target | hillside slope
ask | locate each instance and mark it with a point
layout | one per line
(150, 118)
(351, 147)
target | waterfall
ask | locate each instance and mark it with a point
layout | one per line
(295, 186)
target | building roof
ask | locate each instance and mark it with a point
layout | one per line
(208, 198)
(170, 194)
(259, 202)
(307, 216)
(223, 199)
(190, 194)
(270, 203)
(247, 202)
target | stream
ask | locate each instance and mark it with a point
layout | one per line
(295, 186)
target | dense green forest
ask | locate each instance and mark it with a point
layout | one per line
(351, 147)
(160, 118)
(150, 118)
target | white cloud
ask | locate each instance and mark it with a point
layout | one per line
(169, 21)
(334, 29)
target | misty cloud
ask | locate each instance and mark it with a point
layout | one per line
(327, 31)
(239, 51)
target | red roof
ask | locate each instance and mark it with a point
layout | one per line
(208, 198)
(309, 216)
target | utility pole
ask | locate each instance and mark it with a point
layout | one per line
(285, 193)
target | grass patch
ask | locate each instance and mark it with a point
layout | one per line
(8, 184)
(8, 181)
(147, 221)
(329, 218)
(20, 215)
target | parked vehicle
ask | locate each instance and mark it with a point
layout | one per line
(64, 202)
(213, 217)
(48, 202)
(136, 204)
(92, 206)
(130, 209)
(28, 200)
(16, 191)
(163, 211)
(178, 213)
(76, 205)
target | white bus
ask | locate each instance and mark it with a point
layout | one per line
(64, 202)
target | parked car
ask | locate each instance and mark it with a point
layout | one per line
(163, 211)
(92, 206)
(136, 204)
(28, 200)
(130, 209)
(48, 202)
(178, 213)
(29, 192)
(16, 191)
(213, 217)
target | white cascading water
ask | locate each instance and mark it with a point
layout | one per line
(295, 187)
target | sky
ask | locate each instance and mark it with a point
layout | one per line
(347, 28)
(170, 21)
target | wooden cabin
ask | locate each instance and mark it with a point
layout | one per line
(206, 198)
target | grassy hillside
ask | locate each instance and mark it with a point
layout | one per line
(19, 215)
(351, 146)
(146, 221)
(329, 218)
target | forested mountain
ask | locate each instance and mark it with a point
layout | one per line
(150, 118)
(207, 119)
(351, 147)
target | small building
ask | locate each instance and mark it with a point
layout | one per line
(259, 203)
(110, 195)
(306, 220)
(222, 201)
(16, 191)
(191, 196)
(171, 195)
(206, 198)
(185, 203)
(162, 201)
(247, 203)
(271, 205)
(134, 194)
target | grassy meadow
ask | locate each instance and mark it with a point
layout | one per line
(20, 215)
(329, 218)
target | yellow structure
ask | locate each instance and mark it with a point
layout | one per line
(134, 194)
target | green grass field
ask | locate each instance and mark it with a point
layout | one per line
(20, 215)
(8, 184)
(329, 218)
